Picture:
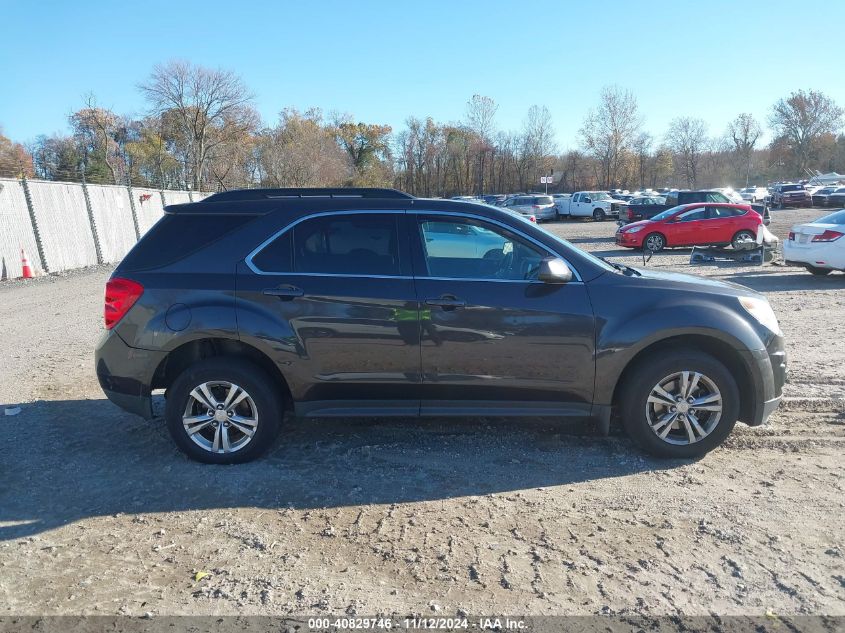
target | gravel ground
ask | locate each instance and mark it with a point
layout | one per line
(99, 514)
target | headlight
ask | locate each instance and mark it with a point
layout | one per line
(634, 229)
(762, 311)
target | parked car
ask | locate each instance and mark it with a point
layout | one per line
(754, 194)
(644, 211)
(541, 207)
(598, 205)
(837, 198)
(495, 199)
(357, 302)
(692, 225)
(818, 245)
(790, 195)
(820, 197)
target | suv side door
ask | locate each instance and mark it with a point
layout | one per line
(331, 299)
(493, 338)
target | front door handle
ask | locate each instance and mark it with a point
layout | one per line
(285, 293)
(447, 302)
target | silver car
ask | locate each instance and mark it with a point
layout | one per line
(540, 206)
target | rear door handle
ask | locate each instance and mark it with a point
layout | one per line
(447, 302)
(285, 293)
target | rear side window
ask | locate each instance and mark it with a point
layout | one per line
(356, 244)
(174, 237)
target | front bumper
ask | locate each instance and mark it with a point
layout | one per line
(126, 373)
(629, 240)
(768, 373)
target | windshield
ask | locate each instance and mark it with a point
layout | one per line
(668, 213)
(838, 217)
(792, 187)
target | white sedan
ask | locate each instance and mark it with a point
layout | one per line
(818, 246)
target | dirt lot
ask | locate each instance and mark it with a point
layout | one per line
(100, 514)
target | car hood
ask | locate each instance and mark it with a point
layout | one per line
(680, 281)
(638, 223)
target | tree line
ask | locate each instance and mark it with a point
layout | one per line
(201, 131)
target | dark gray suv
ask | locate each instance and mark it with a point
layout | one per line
(370, 302)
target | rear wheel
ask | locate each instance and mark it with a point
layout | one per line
(821, 272)
(598, 215)
(740, 237)
(682, 404)
(654, 242)
(223, 411)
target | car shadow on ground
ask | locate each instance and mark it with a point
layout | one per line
(68, 460)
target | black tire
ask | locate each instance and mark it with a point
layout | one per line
(819, 272)
(261, 389)
(654, 242)
(741, 234)
(598, 215)
(647, 374)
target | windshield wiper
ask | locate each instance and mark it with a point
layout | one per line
(627, 270)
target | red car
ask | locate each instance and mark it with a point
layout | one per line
(692, 225)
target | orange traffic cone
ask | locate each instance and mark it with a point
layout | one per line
(26, 270)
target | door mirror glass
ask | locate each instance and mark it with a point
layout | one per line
(587, 200)
(554, 270)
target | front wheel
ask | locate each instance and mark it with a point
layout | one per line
(654, 242)
(223, 411)
(682, 404)
(598, 215)
(819, 272)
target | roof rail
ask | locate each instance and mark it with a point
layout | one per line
(305, 192)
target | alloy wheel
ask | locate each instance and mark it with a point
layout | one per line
(684, 407)
(220, 417)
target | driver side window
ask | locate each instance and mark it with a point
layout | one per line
(465, 248)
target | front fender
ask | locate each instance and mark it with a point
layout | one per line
(620, 340)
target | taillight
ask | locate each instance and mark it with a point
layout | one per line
(533, 219)
(535, 206)
(828, 236)
(791, 236)
(121, 294)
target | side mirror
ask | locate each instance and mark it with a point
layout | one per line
(554, 270)
(586, 200)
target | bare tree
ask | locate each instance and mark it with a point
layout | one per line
(208, 108)
(744, 131)
(802, 119)
(537, 144)
(609, 131)
(481, 112)
(642, 150)
(687, 138)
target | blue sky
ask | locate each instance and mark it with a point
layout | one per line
(384, 61)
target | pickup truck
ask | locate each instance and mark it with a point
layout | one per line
(589, 204)
(637, 212)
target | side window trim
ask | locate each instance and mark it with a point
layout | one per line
(413, 213)
(248, 260)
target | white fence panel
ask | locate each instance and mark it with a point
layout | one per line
(148, 207)
(176, 197)
(113, 219)
(62, 218)
(15, 229)
(201, 195)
